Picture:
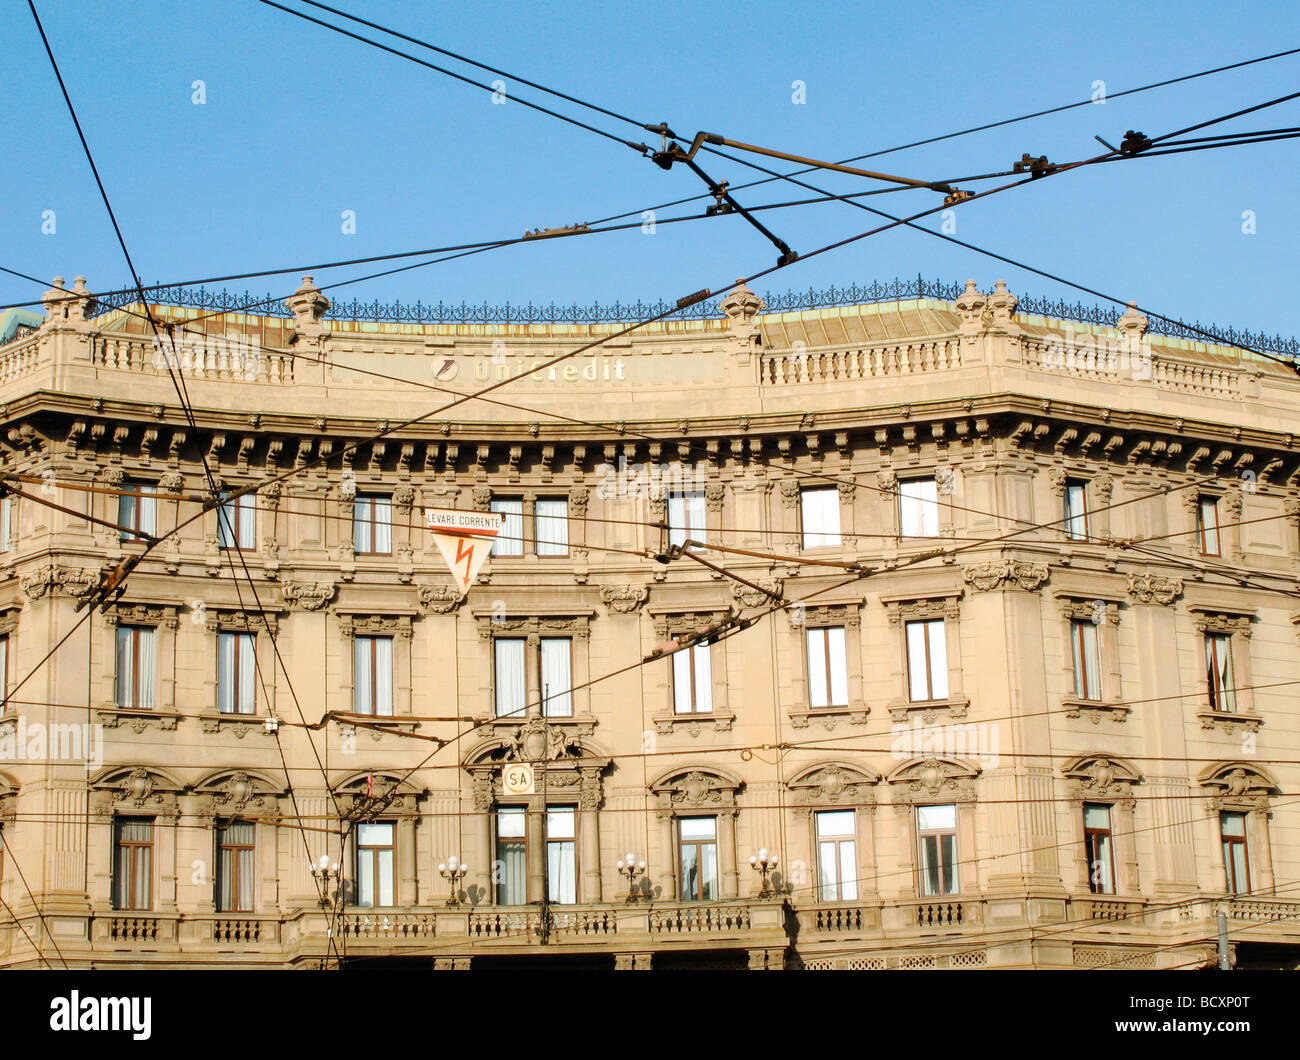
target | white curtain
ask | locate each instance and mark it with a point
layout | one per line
(364, 677)
(685, 517)
(361, 525)
(1076, 520)
(703, 682)
(149, 509)
(816, 643)
(682, 682)
(1087, 670)
(561, 855)
(4, 671)
(919, 507)
(703, 678)
(557, 677)
(552, 527)
(247, 673)
(236, 868)
(384, 676)
(927, 679)
(510, 542)
(820, 509)
(6, 522)
(133, 865)
(1209, 526)
(1218, 651)
(146, 645)
(839, 667)
(226, 673)
(511, 870)
(383, 524)
(511, 682)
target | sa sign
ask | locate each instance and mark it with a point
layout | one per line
(517, 779)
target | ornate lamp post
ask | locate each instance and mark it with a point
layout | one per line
(764, 864)
(329, 881)
(631, 870)
(453, 871)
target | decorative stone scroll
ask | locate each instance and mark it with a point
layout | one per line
(623, 599)
(1148, 588)
(310, 596)
(1008, 573)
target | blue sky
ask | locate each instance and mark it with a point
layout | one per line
(300, 124)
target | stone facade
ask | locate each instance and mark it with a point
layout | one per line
(1008, 415)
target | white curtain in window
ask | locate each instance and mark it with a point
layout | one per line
(839, 667)
(1087, 662)
(511, 874)
(363, 677)
(148, 663)
(384, 676)
(4, 668)
(511, 682)
(927, 679)
(685, 517)
(361, 525)
(248, 521)
(510, 542)
(1209, 507)
(6, 522)
(703, 678)
(1076, 525)
(682, 682)
(126, 514)
(552, 527)
(562, 863)
(557, 679)
(226, 650)
(918, 504)
(383, 524)
(149, 509)
(816, 643)
(1218, 649)
(820, 509)
(247, 673)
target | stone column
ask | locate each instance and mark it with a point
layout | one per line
(406, 875)
(727, 854)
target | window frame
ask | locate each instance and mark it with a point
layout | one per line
(572, 843)
(241, 503)
(546, 697)
(519, 842)
(132, 497)
(922, 834)
(920, 503)
(926, 624)
(135, 631)
(693, 706)
(1228, 843)
(1091, 837)
(830, 500)
(692, 501)
(371, 522)
(827, 661)
(699, 845)
(1079, 660)
(516, 542)
(496, 677)
(840, 884)
(1070, 516)
(132, 905)
(374, 638)
(1203, 530)
(237, 678)
(8, 508)
(238, 852)
(376, 872)
(538, 543)
(1217, 691)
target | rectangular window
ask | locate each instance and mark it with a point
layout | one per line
(918, 508)
(1076, 510)
(510, 873)
(137, 666)
(698, 844)
(692, 680)
(1236, 859)
(936, 828)
(133, 863)
(4, 673)
(235, 867)
(6, 522)
(237, 522)
(1097, 844)
(236, 673)
(828, 676)
(819, 510)
(561, 855)
(375, 864)
(837, 856)
(1087, 659)
(372, 525)
(511, 678)
(685, 517)
(927, 660)
(373, 690)
(510, 542)
(1218, 672)
(1207, 525)
(552, 519)
(557, 677)
(137, 509)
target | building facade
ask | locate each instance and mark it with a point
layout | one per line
(917, 634)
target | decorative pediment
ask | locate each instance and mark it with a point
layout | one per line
(562, 757)
(489, 626)
(365, 795)
(9, 618)
(135, 789)
(1237, 786)
(1085, 608)
(375, 626)
(1006, 573)
(1100, 776)
(238, 792)
(923, 606)
(924, 780)
(234, 620)
(696, 788)
(1218, 620)
(670, 625)
(832, 785)
(131, 614)
(848, 615)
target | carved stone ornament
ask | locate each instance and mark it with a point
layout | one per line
(790, 492)
(404, 499)
(623, 599)
(127, 788)
(1237, 786)
(536, 741)
(578, 497)
(375, 626)
(438, 599)
(51, 578)
(310, 596)
(696, 789)
(1148, 588)
(1209, 621)
(752, 597)
(930, 779)
(1099, 776)
(1011, 573)
(833, 785)
(714, 493)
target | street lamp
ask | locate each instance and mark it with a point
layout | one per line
(764, 864)
(453, 871)
(329, 881)
(631, 869)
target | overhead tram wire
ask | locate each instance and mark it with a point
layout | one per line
(182, 394)
(35, 905)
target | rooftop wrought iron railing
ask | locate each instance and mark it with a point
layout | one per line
(621, 313)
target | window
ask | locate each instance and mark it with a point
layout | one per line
(237, 522)
(6, 521)
(918, 508)
(1218, 672)
(927, 660)
(137, 666)
(698, 844)
(372, 525)
(936, 828)
(511, 679)
(692, 680)
(1087, 659)
(139, 513)
(552, 519)
(1076, 510)
(4, 673)
(557, 677)
(236, 673)
(1207, 525)
(510, 873)
(828, 679)
(820, 512)
(133, 863)
(837, 857)
(235, 867)
(1232, 827)
(373, 691)
(685, 517)
(510, 542)
(1097, 845)
(375, 864)
(561, 855)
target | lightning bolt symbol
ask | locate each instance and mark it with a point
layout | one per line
(465, 551)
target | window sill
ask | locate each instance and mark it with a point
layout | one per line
(829, 716)
(693, 723)
(929, 709)
(240, 725)
(1228, 721)
(137, 718)
(1094, 710)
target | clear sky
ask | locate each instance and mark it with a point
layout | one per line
(301, 124)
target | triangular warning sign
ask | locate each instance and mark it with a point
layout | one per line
(464, 539)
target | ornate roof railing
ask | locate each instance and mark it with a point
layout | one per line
(622, 313)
